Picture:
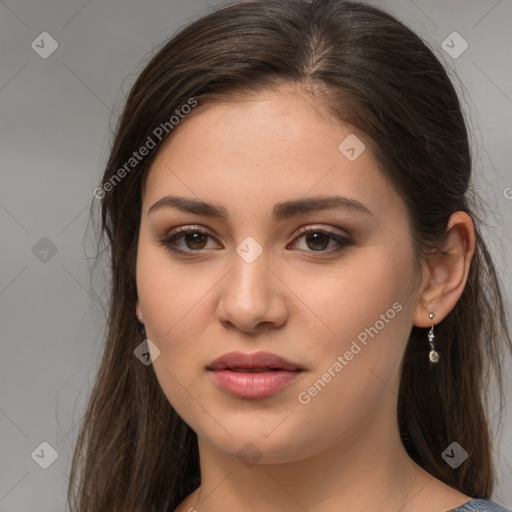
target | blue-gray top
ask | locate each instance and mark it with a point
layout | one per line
(478, 505)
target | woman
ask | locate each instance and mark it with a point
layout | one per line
(303, 310)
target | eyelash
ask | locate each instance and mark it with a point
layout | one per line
(178, 233)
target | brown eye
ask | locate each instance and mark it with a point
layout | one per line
(195, 240)
(317, 241)
(186, 241)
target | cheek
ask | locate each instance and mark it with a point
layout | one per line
(365, 298)
(175, 302)
(357, 370)
(367, 307)
(172, 295)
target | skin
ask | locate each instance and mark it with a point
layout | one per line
(342, 450)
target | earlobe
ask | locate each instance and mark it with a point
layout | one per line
(138, 312)
(447, 271)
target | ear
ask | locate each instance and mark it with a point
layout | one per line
(138, 311)
(446, 272)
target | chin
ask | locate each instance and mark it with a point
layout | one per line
(254, 445)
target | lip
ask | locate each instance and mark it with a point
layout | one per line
(254, 375)
(255, 360)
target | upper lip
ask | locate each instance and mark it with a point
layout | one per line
(235, 360)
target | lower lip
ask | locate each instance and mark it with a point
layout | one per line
(253, 385)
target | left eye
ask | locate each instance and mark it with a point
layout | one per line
(317, 240)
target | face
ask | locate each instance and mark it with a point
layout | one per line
(261, 268)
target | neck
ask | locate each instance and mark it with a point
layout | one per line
(369, 470)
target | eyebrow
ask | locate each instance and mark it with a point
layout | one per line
(280, 211)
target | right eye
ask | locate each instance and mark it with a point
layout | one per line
(191, 239)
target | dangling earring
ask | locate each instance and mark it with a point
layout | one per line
(433, 355)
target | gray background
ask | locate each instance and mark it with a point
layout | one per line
(56, 115)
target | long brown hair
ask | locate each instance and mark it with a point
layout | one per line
(134, 453)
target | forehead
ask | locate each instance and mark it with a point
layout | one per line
(249, 155)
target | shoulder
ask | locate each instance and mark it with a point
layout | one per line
(478, 505)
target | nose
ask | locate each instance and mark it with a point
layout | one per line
(252, 298)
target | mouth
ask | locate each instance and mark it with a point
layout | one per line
(256, 375)
(253, 370)
(255, 362)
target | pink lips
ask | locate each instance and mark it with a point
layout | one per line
(252, 375)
